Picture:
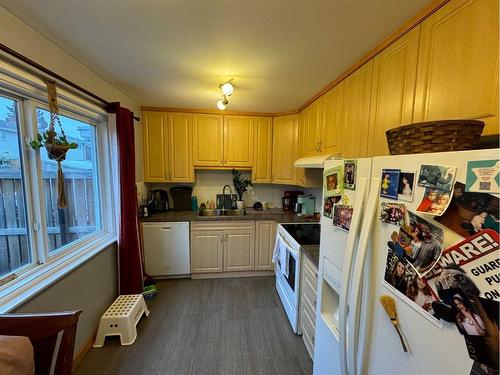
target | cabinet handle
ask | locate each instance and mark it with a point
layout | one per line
(321, 145)
(222, 238)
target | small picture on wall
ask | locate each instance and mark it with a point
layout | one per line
(406, 185)
(350, 169)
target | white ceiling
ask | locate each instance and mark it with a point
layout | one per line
(174, 53)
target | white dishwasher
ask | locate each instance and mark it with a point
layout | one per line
(166, 248)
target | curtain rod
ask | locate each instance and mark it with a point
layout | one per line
(51, 73)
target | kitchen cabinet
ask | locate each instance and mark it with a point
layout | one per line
(312, 123)
(180, 134)
(356, 112)
(238, 141)
(208, 140)
(222, 246)
(393, 89)
(332, 120)
(265, 234)
(458, 64)
(263, 145)
(207, 249)
(154, 126)
(308, 297)
(285, 137)
(239, 249)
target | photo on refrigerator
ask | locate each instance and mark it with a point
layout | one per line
(406, 185)
(483, 176)
(469, 213)
(437, 177)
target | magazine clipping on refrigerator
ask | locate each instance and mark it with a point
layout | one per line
(458, 284)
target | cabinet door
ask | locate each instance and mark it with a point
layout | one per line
(356, 113)
(393, 89)
(458, 64)
(265, 233)
(208, 140)
(312, 127)
(239, 250)
(154, 126)
(333, 118)
(238, 141)
(206, 251)
(180, 135)
(263, 145)
(285, 133)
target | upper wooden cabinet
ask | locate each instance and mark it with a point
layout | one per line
(180, 135)
(154, 130)
(458, 64)
(285, 134)
(332, 120)
(393, 89)
(356, 112)
(263, 145)
(238, 141)
(312, 126)
(208, 140)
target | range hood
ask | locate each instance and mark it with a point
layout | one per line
(312, 161)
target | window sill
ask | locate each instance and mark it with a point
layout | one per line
(40, 277)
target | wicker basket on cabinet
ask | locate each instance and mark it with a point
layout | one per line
(434, 136)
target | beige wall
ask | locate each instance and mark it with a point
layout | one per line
(92, 287)
(25, 40)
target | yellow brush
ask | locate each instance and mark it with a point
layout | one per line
(390, 309)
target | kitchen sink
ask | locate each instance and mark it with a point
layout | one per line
(222, 212)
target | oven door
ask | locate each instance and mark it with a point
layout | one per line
(287, 269)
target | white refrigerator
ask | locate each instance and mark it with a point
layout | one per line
(353, 333)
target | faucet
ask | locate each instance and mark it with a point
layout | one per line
(224, 195)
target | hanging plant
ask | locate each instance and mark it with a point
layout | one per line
(56, 144)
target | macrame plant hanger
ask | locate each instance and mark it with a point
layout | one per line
(56, 151)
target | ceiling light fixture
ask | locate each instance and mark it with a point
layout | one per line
(226, 89)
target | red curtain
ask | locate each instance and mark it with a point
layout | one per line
(129, 253)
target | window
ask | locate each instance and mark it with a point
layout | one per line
(81, 217)
(39, 242)
(14, 244)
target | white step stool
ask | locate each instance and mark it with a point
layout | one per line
(121, 319)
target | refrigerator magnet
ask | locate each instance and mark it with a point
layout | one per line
(436, 177)
(333, 182)
(328, 205)
(350, 169)
(483, 176)
(392, 213)
(406, 185)
(434, 201)
(389, 184)
(342, 216)
(426, 245)
(469, 212)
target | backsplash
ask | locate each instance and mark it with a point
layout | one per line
(210, 183)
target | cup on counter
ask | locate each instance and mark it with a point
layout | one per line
(264, 205)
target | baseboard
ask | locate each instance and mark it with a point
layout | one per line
(78, 358)
(221, 275)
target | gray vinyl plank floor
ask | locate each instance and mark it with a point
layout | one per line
(215, 326)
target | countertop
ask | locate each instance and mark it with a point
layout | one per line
(312, 252)
(275, 214)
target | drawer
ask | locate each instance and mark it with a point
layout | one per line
(308, 332)
(222, 225)
(311, 280)
(309, 292)
(310, 267)
(310, 311)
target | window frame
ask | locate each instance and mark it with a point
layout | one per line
(45, 269)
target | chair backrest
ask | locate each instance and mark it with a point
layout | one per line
(43, 330)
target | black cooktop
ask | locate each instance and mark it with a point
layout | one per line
(304, 234)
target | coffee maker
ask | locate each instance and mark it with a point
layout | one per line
(305, 205)
(158, 201)
(289, 200)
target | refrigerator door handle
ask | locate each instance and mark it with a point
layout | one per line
(348, 260)
(358, 271)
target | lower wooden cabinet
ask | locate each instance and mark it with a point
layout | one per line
(308, 296)
(231, 246)
(207, 248)
(265, 234)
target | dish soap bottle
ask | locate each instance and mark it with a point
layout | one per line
(194, 203)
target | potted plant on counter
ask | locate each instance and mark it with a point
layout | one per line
(240, 184)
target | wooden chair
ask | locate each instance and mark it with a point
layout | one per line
(43, 331)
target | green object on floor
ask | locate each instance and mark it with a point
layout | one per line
(150, 292)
